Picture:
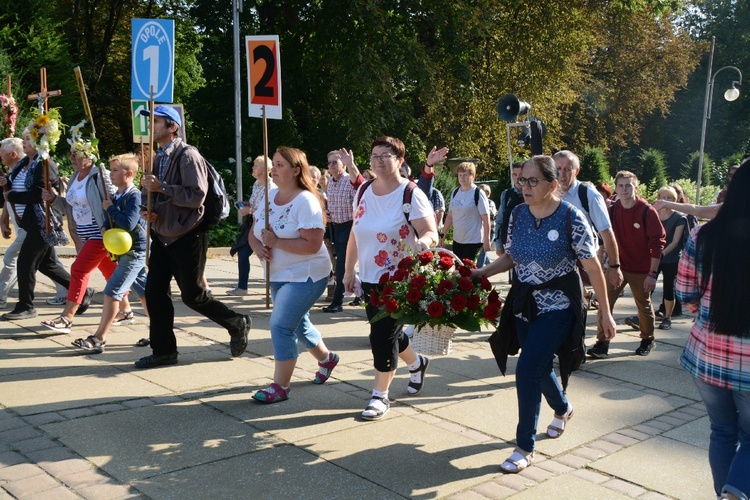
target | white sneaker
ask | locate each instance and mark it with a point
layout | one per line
(239, 292)
(57, 301)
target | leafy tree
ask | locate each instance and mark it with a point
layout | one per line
(594, 166)
(690, 168)
(653, 169)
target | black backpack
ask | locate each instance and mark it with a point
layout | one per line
(216, 204)
(476, 195)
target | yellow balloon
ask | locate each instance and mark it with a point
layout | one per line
(117, 241)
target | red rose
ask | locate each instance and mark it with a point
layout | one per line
(490, 312)
(388, 291)
(486, 285)
(373, 298)
(469, 263)
(464, 271)
(418, 281)
(446, 284)
(473, 302)
(442, 254)
(435, 309)
(494, 298)
(458, 302)
(400, 275)
(465, 284)
(414, 295)
(381, 258)
(426, 257)
(383, 279)
(391, 305)
(406, 262)
(445, 263)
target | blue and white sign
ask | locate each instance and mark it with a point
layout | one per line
(153, 59)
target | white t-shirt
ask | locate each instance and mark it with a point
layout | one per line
(303, 212)
(86, 225)
(467, 220)
(383, 235)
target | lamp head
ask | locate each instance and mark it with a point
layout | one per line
(733, 93)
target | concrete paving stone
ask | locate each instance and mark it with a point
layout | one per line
(277, 472)
(22, 488)
(647, 429)
(590, 476)
(698, 408)
(659, 424)
(670, 420)
(59, 461)
(43, 418)
(451, 427)
(553, 466)
(682, 415)
(427, 418)
(60, 492)
(20, 471)
(678, 401)
(138, 403)
(636, 464)
(629, 489)
(77, 413)
(53, 389)
(573, 461)
(514, 481)
(696, 433)
(660, 380)
(36, 444)
(467, 495)
(462, 463)
(147, 441)
(84, 478)
(589, 453)
(652, 495)
(640, 436)
(108, 408)
(38, 355)
(658, 393)
(493, 490)
(165, 400)
(635, 387)
(621, 439)
(10, 423)
(8, 458)
(108, 492)
(536, 473)
(569, 487)
(19, 434)
(605, 446)
(474, 435)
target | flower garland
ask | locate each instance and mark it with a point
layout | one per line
(45, 131)
(84, 148)
(10, 113)
(433, 288)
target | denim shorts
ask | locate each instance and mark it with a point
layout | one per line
(130, 274)
(290, 318)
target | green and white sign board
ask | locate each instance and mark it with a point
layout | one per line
(140, 122)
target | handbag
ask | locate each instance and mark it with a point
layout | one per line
(56, 236)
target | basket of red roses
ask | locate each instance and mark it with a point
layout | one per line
(435, 292)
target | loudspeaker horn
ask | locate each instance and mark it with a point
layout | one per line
(509, 107)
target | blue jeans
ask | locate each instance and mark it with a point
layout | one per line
(535, 376)
(243, 266)
(130, 274)
(290, 318)
(729, 447)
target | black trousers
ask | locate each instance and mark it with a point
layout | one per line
(340, 237)
(36, 255)
(184, 260)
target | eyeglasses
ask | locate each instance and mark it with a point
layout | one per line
(335, 162)
(383, 157)
(531, 181)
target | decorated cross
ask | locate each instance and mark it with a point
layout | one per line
(42, 95)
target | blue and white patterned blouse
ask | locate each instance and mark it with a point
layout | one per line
(545, 252)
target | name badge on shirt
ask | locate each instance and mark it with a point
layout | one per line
(553, 235)
(636, 225)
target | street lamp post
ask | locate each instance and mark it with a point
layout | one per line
(730, 95)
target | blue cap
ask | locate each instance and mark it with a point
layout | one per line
(167, 111)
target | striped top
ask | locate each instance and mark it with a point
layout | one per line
(19, 186)
(720, 360)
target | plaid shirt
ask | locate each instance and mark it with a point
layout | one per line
(720, 360)
(341, 197)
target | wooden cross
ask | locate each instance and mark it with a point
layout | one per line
(41, 98)
(42, 95)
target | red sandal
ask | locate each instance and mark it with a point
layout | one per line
(272, 394)
(325, 369)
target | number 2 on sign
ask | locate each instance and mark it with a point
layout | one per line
(262, 88)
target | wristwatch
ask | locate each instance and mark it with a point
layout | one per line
(163, 187)
(614, 266)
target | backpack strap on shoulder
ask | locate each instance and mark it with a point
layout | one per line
(476, 196)
(583, 196)
(362, 189)
(408, 193)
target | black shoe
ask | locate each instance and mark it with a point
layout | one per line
(600, 350)
(666, 324)
(30, 313)
(333, 308)
(633, 322)
(86, 301)
(645, 348)
(154, 360)
(238, 344)
(414, 388)
(356, 302)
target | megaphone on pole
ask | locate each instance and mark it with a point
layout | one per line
(509, 107)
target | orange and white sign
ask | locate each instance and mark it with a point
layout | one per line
(264, 75)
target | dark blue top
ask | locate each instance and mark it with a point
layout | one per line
(546, 252)
(125, 214)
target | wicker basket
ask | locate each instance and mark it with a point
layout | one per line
(433, 340)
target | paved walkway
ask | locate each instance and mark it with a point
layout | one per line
(92, 426)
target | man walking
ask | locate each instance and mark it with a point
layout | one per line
(587, 199)
(509, 199)
(342, 186)
(640, 239)
(179, 240)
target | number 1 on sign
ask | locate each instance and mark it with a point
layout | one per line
(151, 53)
